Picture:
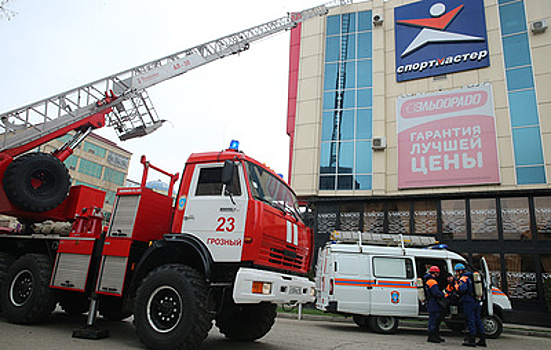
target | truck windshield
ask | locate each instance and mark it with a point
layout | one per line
(272, 190)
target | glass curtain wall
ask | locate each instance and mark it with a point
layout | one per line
(346, 155)
(523, 108)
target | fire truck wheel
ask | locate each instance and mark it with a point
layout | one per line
(383, 324)
(361, 321)
(36, 182)
(26, 296)
(111, 308)
(171, 308)
(246, 322)
(74, 304)
(6, 260)
(493, 326)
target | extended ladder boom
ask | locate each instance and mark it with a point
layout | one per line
(124, 93)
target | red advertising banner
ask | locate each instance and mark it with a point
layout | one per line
(447, 139)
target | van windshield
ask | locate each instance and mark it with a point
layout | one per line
(272, 190)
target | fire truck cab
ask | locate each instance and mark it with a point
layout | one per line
(374, 278)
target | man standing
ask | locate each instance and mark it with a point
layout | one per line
(433, 293)
(471, 307)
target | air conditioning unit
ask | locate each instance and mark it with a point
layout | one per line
(378, 20)
(538, 27)
(378, 143)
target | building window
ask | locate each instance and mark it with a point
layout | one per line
(483, 218)
(425, 218)
(349, 217)
(494, 266)
(542, 207)
(399, 217)
(454, 219)
(346, 154)
(110, 197)
(94, 149)
(374, 217)
(515, 218)
(523, 109)
(90, 168)
(521, 276)
(113, 176)
(71, 162)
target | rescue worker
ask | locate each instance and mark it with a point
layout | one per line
(433, 293)
(471, 307)
(451, 292)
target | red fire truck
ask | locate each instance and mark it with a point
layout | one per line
(227, 248)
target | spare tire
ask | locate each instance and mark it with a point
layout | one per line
(36, 182)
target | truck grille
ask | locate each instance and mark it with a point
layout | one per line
(283, 255)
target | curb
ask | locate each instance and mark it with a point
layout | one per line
(507, 328)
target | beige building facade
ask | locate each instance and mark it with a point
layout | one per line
(431, 117)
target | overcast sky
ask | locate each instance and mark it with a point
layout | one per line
(56, 45)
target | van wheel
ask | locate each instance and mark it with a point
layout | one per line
(493, 326)
(383, 324)
(361, 321)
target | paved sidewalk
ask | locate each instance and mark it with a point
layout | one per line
(508, 328)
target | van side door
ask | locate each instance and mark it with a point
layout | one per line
(394, 292)
(352, 283)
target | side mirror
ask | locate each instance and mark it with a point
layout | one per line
(227, 172)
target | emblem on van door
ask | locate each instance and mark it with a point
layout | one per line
(395, 297)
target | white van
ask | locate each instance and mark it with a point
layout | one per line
(372, 277)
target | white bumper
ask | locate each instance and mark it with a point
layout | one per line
(284, 288)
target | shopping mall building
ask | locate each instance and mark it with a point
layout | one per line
(431, 117)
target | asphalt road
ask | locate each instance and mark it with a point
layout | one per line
(286, 334)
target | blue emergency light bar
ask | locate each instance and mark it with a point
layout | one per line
(438, 246)
(234, 145)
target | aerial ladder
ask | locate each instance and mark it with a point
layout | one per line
(37, 182)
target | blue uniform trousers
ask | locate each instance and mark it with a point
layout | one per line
(472, 316)
(434, 321)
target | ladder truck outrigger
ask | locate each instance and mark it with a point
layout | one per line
(229, 247)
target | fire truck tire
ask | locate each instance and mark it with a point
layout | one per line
(361, 321)
(171, 308)
(74, 304)
(383, 324)
(111, 308)
(36, 182)
(493, 326)
(6, 260)
(246, 322)
(26, 296)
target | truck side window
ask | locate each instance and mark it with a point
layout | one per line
(210, 182)
(392, 267)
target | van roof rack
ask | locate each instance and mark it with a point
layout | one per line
(381, 239)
